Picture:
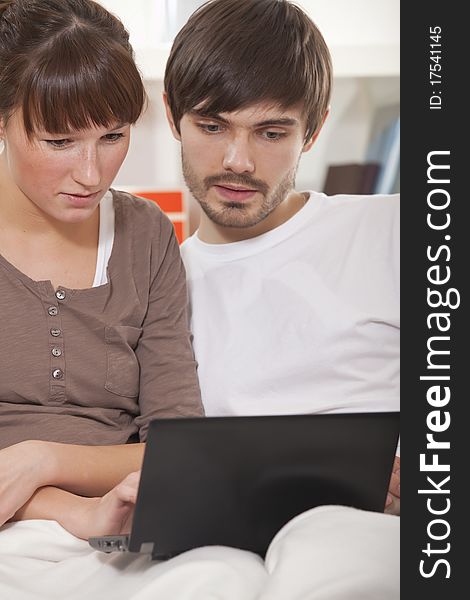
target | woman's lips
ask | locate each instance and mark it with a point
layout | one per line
(234, 194)
(80, 200)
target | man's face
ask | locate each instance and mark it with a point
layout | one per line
(240, 166)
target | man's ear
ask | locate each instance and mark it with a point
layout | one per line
(309, 143)
(170, 118)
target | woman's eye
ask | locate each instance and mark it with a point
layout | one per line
(58, 143)
(113, 137)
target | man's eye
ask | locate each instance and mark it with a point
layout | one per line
(273, 135)
(210, 127)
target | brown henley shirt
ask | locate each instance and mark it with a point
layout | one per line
(94, 366)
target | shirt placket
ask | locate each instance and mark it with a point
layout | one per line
(57, 371)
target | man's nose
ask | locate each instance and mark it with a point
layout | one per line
(238, 155)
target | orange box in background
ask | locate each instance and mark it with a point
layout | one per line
(172, 205)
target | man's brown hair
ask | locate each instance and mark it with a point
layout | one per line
(234, 53)
(68, 65)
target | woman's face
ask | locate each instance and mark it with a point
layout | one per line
(63, 176)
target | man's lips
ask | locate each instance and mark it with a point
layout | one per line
(234, 193)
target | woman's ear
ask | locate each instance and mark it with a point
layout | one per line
(170, 118)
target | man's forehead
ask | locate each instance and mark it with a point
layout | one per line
(254, 113)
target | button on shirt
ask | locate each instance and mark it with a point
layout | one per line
(57, 374)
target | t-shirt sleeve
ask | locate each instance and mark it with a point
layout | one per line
(168, 379)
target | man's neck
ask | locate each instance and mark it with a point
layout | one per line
(211, 233)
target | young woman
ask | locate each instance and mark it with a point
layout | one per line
(94, 340)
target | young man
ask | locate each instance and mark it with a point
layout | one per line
(294, 295)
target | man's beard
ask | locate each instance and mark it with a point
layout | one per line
(237, 214)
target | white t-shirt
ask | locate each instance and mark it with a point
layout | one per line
(304, 318)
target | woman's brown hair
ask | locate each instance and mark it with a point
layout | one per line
(68, 65)
(235, 53)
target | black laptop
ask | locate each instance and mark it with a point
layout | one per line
(235, 481)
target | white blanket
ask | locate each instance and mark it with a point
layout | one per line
(327, 553)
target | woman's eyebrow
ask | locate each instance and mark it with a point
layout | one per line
(120, 126)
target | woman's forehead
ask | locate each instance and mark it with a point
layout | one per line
(16, 121)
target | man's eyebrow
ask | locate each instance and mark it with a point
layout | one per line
(202, 114)
(280, 122)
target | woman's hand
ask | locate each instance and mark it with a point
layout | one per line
(110, 515)
(39, 479)
(24, 467)
(392, 505)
